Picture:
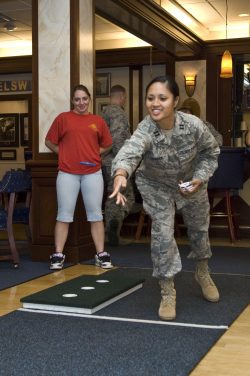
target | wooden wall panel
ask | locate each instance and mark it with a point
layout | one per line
(15, 64)
(79, 245)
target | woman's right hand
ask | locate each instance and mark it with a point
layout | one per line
(120, 183)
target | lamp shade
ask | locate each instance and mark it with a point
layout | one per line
(190, 84)
(226, 65)
(243, 126)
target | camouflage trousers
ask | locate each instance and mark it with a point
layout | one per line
(160, 204)
(112, 210)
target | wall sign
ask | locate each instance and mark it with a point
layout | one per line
(15, 86)
(15, 83)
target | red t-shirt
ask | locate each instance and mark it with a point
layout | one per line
(79, 138)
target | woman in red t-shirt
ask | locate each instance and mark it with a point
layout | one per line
(79, 138)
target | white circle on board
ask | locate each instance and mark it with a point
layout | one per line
(69, 295)
(102, 281)
(87, 288)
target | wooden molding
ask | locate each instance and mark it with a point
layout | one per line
(35, 79)
(150, 22)
(74, 44)
(131, 57)
(16, 64)
(236, 46)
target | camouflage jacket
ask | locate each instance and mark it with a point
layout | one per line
(214, 132)
(191, 152)
(119, 127)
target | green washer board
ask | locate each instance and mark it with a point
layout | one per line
(86, 294)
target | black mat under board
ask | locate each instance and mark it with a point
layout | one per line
(27, 271)
(49, 345)
(191, 307)
(224, 260)
(84, 294)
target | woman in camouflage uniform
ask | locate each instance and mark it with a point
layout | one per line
(171, 147)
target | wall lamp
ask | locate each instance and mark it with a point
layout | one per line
(190, 84)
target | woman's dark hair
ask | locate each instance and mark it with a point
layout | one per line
(169, 82)
(81, 87)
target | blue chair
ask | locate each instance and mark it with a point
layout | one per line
(228, 177)
(14, 183)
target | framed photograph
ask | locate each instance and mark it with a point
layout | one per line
(102, 106)
(102, 85)
(8, 155)
(9, 130)
(24, 129)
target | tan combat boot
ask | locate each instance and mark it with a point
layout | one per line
(167, 309)
(206, 283)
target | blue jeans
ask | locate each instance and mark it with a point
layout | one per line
(68, 187)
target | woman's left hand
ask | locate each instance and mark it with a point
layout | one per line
(195, 184)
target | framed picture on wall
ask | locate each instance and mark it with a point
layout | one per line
(24, 129)
(9, 130)
(8, 155)
(102, 106)
(102, 84)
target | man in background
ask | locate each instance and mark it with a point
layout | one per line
(118, 123)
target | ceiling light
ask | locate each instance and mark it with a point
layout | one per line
(243, 15)
(10, 26)
(226, 61)
(226, 65)
(9, 23)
